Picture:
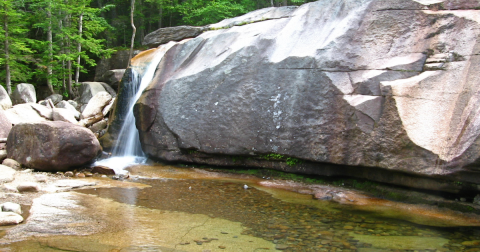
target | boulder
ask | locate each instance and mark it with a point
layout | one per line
(24, 93)
(167, 34)
(5, 127)
(64, 115)
(69, 107)
(11, 163)
(96, 105)
(109, 89)
(113, 77)
(24, 113)
(6, 174)
(344, 83)
(98, 126)
(52, 146)
(87, 90)
(55, 98)
(9, 218)
(5, 101)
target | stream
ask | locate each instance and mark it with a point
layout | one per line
(166, 208)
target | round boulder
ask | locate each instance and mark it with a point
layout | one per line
(24, 93)
(52, 146)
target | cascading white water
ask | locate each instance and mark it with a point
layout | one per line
(128, 150)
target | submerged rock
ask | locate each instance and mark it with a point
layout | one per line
(329, 82)
(52, 146)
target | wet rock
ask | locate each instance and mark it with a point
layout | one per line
(103, 170)
(73, 183)
(281, 246)
(24, 93)
(28, 187)
(12, 163)
(69, 145)
(167, 34)
(68, 174)
(5, 101)
(9, 218)
(11, 207)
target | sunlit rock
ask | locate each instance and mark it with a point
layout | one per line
(371, 83)
(24, 93)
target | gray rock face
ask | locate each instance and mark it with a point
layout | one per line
(5, 102)
(52, 146)
(167, 34)
(5, 127)
(339, 82)
(56, 98)
(24, 93)
(113, 77)
(119, 60)
(87, 90)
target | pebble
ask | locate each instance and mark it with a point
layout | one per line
(281, 246)
(222, 247)
(11, 163)
(68, 174)
(80, 175)
(28, 187)
(40, 178)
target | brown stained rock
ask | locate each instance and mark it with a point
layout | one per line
(103, 170)
(52, 146)
(28, 187)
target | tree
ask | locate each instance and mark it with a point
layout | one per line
(16, 50)
(134, 31)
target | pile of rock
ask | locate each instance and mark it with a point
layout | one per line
(54, 134)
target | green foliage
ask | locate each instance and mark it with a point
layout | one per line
(203, 12)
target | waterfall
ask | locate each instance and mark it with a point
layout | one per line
(128, 150)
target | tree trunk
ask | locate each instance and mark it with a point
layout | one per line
(62, 45)
(69, 61)
(8, 80)
(79, 47)
(285, 2)
(133, 33)
(50, 50)
(271, 2)
(160, 12)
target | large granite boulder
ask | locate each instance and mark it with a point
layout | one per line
(167, 34)
(70, 107)
(5, 101)
(87, 90)
(24, 93)
(331, 84)
(52, 146)
(5, 127)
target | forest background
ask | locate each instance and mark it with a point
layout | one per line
(56, 43)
